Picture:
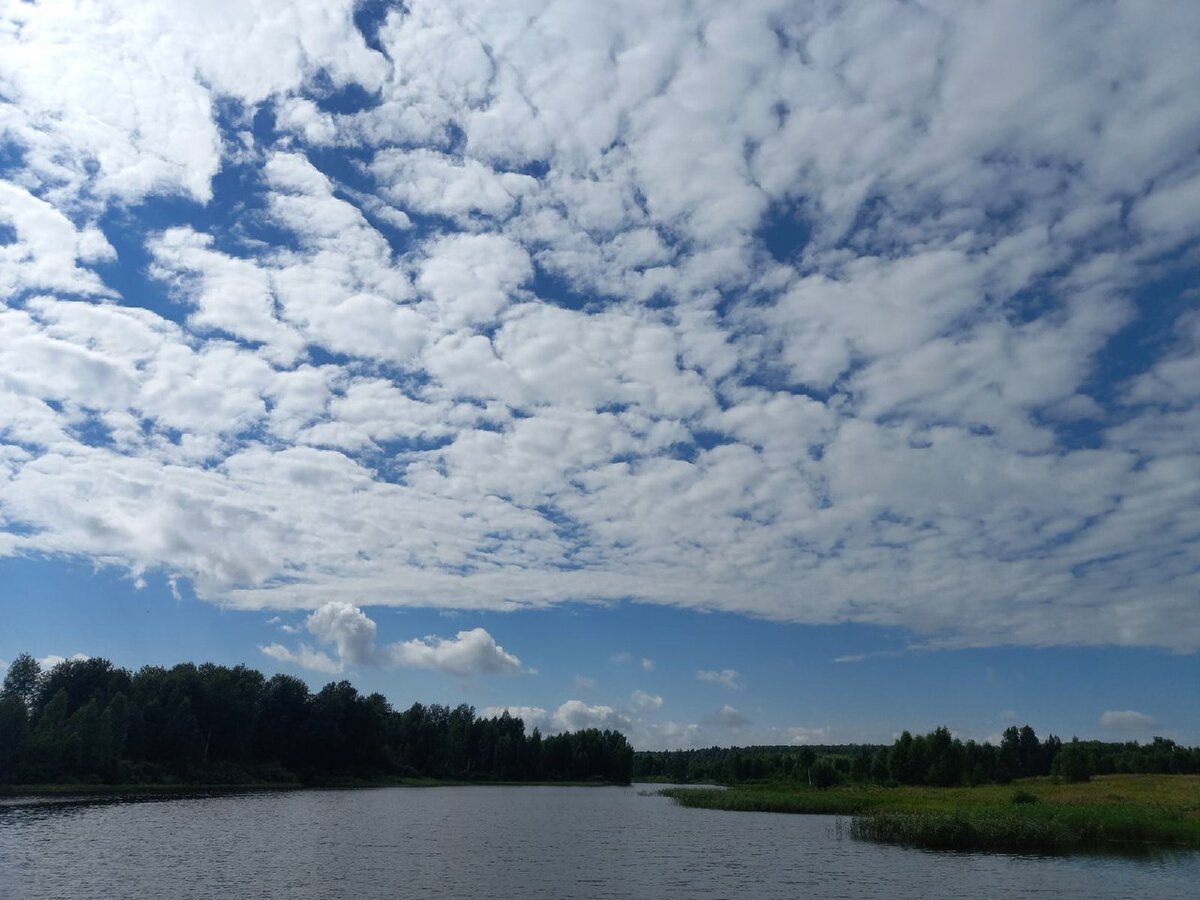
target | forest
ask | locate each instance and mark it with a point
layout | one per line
(87, 721)
(936, 759)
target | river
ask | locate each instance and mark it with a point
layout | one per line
(505, 842)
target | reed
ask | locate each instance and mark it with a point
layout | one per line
(1128, 814)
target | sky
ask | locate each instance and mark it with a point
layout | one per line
(724, 373)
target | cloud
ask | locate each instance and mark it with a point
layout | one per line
(729, 678)
(50, 661)
(469, 652)
(1126, 720)
(347, 628)
(780, 296)
(352, 634)
(304, 657)
(800, 735)
(584, 683)
(574, 715)
(644, 702)
(532, 716)
(728, 717)
(647, 664)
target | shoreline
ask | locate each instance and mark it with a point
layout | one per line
(47, 791)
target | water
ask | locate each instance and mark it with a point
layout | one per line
(505, 842)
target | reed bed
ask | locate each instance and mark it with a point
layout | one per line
(1126, 814)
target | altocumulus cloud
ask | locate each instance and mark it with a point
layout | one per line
(800, 311)
(352, 634)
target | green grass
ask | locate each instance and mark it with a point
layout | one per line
(1116, 813)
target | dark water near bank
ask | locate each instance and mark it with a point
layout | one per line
(506, 842)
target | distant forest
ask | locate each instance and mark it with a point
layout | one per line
(937, 758)
(85, 721)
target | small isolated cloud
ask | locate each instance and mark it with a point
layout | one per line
(584, 683)
(730, 678)
(1128, 720)
(808, 735)
(50, 661)
(850, 658)
(647, 664)
(620, 658)
(729, 717)
(283, 626)
(645, 702)
(304, 657)
(352, 633)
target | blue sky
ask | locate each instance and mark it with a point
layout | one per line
(722, 373)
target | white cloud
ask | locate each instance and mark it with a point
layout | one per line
(644, 702)
(648, 664)
(532, 716)
(729, 678)
(51, 660)
(801, 735)
(729, 717)
(353, 635)
(469, 652)
(1126, 720)
(347, 628)
(574, 715)
(303, 656)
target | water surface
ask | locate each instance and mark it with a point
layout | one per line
(505, 842)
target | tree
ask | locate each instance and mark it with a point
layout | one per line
(14, 729)
(1073, 763)
(23, 680)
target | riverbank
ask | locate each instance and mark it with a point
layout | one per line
(1113, 813)
(183, 789)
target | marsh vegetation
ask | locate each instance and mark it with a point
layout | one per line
(1109, 813)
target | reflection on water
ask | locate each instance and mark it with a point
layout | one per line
(510, 842)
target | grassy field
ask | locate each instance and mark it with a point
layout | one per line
(1115, 813)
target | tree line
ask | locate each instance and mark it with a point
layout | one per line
(937, 758)
(89, 721)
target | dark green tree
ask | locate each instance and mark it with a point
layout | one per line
(23, 680)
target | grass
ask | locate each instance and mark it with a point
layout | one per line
(1115, 813)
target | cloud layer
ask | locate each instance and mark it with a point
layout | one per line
(814, 313)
